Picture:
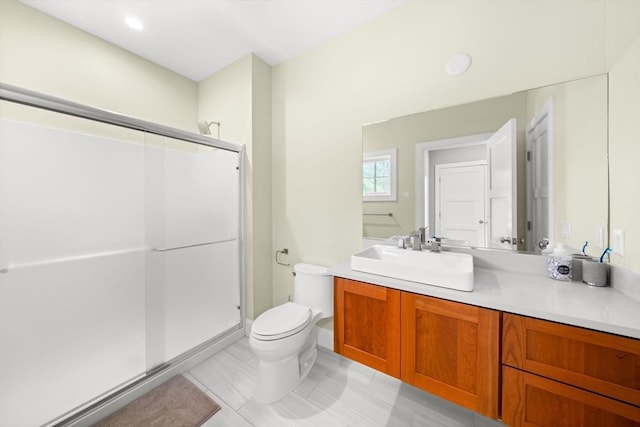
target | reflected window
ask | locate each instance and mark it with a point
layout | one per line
(379, 176)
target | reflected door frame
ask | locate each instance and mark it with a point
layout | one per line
(422, 170)
(542, 123)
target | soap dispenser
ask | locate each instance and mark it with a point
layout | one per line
(559, 263)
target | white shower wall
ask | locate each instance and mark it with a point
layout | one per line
(87, 301)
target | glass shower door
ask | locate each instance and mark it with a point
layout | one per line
(72, 262)
(193, 212)
(119, 251)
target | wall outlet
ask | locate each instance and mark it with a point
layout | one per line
(566, 230)
(599, 243)
(618, 242)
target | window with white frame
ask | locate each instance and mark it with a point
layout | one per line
(379, 176)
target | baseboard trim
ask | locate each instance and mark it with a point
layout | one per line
(325, 338)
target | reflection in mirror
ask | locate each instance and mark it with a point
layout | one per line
(448, 166)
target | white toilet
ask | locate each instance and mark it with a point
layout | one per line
(284, 338)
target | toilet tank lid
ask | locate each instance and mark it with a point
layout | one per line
(310, 269)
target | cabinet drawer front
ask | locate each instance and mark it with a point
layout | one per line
(533, 401)
(367, 324)
(604, 363)
(451, 350)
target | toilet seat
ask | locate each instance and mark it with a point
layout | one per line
(281, 322)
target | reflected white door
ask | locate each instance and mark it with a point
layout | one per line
(501, 188)
(460, 202)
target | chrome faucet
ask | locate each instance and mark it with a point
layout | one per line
(416, 240)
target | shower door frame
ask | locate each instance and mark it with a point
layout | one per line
(114, 399)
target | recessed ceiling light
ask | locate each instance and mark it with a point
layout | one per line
(458, 64)
(134, 23)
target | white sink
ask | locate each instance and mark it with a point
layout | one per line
(446, 269)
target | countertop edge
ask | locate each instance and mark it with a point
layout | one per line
(488, 295)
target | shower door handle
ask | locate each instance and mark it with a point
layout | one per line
(174, 248)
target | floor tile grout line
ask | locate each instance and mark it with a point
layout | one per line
(221, 399)
(237, 411)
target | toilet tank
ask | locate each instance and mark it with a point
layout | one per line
(313, 288)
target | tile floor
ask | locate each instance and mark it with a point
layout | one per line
(337, 392)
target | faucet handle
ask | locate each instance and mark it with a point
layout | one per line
(435, 243)
(416, 240)
(403, 242)
(423, 233)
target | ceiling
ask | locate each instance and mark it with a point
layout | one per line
(196, 38)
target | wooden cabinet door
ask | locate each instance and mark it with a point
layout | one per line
(367, 324)
(596, 361)
(452, 350)
(533, 401)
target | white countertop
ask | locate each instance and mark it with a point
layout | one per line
(573, 303)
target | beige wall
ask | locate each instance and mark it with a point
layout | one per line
(46, 55)
(394, 66)
(239, 97)
(262, 194)
(623, 18)
(389, 67)
(581, 171)
(43, 54)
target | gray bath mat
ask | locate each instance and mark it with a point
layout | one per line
(176, 403)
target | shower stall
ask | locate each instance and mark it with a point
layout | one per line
(121, 255)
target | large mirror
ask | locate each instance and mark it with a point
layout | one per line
(448, 169)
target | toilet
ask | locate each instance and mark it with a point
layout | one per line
(284, 338)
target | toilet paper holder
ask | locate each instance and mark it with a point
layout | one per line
(284, 251)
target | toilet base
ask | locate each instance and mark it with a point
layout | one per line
(277, 379)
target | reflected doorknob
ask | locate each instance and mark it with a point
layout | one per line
(511, 240)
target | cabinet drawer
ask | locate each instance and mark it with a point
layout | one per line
(603, 363)
(533, 401)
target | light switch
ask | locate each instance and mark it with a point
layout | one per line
(566, 230)
(618, 242)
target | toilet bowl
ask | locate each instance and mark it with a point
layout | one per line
(284, 338)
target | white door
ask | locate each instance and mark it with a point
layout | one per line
(539, 159)
(501, 188)
(460, 202)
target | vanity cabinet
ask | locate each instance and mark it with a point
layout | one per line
(555, 374)
(443, 347)
(547, 374)
(367, 324)
(452, 350)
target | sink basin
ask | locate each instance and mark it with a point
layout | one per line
(446, 269)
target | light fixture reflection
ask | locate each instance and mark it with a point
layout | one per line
(134, 23)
